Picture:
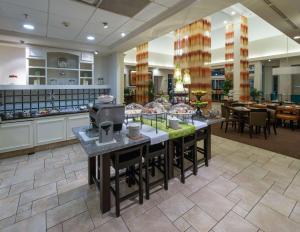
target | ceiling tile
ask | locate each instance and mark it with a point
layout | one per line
(131, 25)
(83, 35)
(17, 12)
(41, 5)
(62, 33)
(150, 12)
(114, 37)
(71, 9)
(11, 24)
(167, 3)
(74, 23)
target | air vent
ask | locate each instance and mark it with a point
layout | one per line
(281, 14)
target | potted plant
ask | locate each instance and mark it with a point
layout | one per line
(255, 94)
(228, 85)
(151, 91)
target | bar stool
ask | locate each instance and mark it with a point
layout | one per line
(186, 148)
(201, 134)
(125, 159)
(156, 156)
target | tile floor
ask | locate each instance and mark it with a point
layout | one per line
(243, 189)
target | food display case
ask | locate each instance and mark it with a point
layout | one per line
(133, 111)
(154, 111)
(182, 111)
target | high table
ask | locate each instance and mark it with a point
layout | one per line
(100, 155)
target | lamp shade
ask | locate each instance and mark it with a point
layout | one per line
(177, 73)
(186, 77)
(179, 87)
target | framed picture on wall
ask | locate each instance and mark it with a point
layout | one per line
(132, 78)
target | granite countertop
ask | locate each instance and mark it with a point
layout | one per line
(122, 142)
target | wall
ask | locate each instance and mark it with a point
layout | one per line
(100, 68)
(12, 61)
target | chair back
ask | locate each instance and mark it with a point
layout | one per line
(271, 114)
(258, 117)
(225, 111)
(127, 157)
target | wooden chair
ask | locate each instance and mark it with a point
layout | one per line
(258, 118)
(272, 120)
(157, 156)
(186, 148)
(125, 159)
(225, 111)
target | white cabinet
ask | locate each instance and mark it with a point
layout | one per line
(35, 52)
(76, 121)
(15, 136)
(50, 130)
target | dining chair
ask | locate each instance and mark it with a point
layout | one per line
(225, 112)
(258, 118)
(272, 120)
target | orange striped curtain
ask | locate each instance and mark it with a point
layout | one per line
(142, 77)
(193, 52)
(244, 73)
(229, 51)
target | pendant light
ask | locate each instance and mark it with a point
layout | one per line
(186, 77)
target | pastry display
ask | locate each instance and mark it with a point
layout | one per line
(167, 105)
(105, 99)
(182, 109)
(153, 108)
(133, 109)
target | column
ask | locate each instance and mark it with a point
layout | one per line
(285, 83)
(258, 76)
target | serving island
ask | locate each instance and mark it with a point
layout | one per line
(99, 155)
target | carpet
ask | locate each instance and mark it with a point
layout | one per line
(286, 142)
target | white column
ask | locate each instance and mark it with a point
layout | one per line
(116, 75)
(258, 76)
(285, 83)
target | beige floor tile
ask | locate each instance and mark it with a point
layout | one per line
(181, 224)
(175, 206)
(4, 192)
(234, 223)
(209, 173)
(295, 215)
(199, 219)
(153, 220)
(222, 186)
(270, 220)
(57, 228)
(48, 177)
(7, 222)
(80, 223)
(75, 166)
(212, 203)
(293, 192)
(8, 206)
(296, 180)
(193, 184)
(21, 187)
(64, 212)
(36, 223)
(44, 204)
(38, 193)
(255, 172)
(240, 211)
(115, 225)
(244, 198)
(13, 160)
(12, 180)
(278, 202)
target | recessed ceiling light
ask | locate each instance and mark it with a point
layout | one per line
(123, 34)
(225, 22)
(269, 60)
(297, 37)
(90, 37)
(28, 26)
(95, 52)
(105, 25)
(233, 12)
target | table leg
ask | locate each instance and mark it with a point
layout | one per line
(207, 144)
(105, 183)
(170, 159)
(91, 169)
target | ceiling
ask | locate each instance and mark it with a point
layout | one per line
(84, 17)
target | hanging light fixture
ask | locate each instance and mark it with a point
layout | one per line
(187, 77)
(177, 72)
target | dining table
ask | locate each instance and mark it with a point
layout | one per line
(241, 112)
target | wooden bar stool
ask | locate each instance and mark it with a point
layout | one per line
(126, 159)
(156, 156)
(202, 135)
(186, 148)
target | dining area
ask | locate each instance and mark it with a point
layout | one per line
(257, 117)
